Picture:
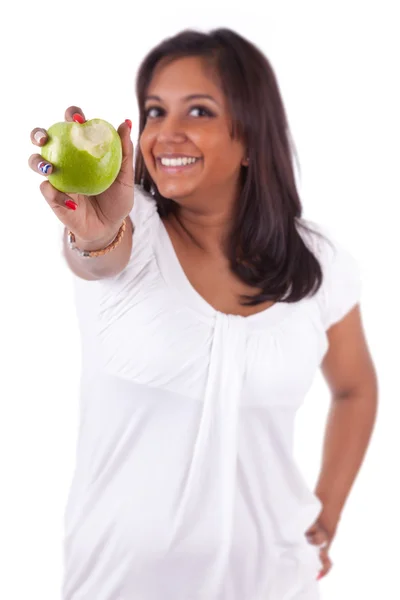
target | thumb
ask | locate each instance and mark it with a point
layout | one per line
(126, 172)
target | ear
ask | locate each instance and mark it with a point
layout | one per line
(245, 162)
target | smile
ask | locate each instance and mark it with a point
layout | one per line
(175, 165)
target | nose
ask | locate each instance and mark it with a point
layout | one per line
(171, 130)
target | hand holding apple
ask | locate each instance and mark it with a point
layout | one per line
(89, 166)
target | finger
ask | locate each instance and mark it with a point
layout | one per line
(59, 202)
(326, 561)
(74, 110)
(124, 131)
(326, 564)
(126, 172)
(39, 165)
(38, 136)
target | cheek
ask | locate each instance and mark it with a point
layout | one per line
(146, 143)
(220, 150)
(223, 158)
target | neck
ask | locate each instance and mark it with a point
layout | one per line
(204, 225)
(207, 231)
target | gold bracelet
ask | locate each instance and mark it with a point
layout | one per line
(95, 253)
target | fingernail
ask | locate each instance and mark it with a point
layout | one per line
(78, 118)
(39, 137)
(45, 167)
(129, 123)
(70, 204)
(320, 576)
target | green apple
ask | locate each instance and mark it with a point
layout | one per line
(86, 157)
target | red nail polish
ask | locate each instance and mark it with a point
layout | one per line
(129, 123)
(78, 118)
(70, 204)
(320, 576)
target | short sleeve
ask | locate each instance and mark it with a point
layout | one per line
(341, 288)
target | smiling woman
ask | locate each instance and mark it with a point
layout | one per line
(216, 98)
(186, 486)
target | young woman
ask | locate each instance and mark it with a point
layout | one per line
(206, 305)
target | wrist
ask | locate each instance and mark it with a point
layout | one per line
(329, 518)
(332, 501)
(98, 244)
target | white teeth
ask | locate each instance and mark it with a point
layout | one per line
(177, 162)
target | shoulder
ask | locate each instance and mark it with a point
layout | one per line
(318, 238)
(341, 286)
(326, 246)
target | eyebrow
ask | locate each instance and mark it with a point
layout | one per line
(186, 98)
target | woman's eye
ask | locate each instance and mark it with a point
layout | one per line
(154, 112)
(150, 110)
(205, 112)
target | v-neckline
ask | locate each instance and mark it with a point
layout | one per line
(175, 277)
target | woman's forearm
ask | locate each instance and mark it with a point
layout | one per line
(348, 431)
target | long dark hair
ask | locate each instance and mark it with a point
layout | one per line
(265, 248)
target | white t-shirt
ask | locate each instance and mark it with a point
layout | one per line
(185, 486)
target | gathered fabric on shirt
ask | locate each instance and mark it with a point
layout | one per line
(185, 486)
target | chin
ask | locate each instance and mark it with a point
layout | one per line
(174, 190)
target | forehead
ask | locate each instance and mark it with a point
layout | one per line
(185, 76)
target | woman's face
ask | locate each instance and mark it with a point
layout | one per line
(182, 122)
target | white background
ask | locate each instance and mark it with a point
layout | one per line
(337, 65)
